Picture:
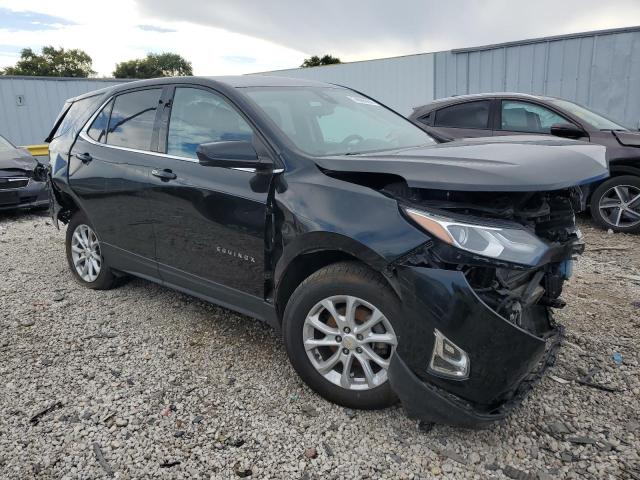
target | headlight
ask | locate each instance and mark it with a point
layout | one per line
(515, 245)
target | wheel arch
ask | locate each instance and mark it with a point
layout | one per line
(317, 250)
(617, 170)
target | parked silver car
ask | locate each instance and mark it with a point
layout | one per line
(22, 177)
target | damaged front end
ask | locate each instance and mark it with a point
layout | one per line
(478, 329)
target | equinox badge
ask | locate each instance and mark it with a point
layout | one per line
(232, 253)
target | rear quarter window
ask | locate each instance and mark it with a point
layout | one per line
(75, 117)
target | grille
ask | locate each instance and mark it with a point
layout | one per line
(13, 182)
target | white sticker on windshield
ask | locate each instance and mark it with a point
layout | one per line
(363, 100)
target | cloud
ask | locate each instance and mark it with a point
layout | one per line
(109, 37)
(239, 59)
(359, 29)
(153, 28)
(244, 36)
(29, 21)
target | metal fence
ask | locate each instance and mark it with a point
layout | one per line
(29, 105)
(598, 69)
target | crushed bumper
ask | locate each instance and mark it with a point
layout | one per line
(429, 403)
(505, 359)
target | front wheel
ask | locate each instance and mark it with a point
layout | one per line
(339, 335)
(615, 204)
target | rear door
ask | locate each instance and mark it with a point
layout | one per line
(463, 120)
(209, 221)
(109, 171)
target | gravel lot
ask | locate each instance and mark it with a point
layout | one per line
(143, 382)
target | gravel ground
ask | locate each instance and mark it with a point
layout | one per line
(143, 382)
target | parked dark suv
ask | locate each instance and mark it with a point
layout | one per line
(394, 266)
(614, 203)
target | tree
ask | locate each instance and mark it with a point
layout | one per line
(154, 65)
(52, 62)
(316, 61)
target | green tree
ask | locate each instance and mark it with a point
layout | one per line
(154, 65)
(317, 61)
(52, 62)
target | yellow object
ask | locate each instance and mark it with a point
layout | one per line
(38, 150)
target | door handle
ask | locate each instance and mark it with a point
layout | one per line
(165, 174)
(84, 157)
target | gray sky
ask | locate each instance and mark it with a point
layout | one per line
(240, 36)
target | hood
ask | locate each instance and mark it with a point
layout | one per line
(508, 164)
(16, 162)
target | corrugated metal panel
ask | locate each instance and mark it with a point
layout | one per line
(598, 69)
(43, 98)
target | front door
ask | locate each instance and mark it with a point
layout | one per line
(209, 222)
(525, 118)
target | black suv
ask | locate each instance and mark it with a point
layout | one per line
(394, 266)
(614, 203)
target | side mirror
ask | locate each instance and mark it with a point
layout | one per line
(567, 130)
(232, 154)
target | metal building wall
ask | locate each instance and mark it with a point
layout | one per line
(43, 99)
(598, 69)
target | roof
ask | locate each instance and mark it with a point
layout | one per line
(237, 81)
(476, 96)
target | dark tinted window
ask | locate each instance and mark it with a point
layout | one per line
(199, 116)
(132, 118)
(427, 119)
(464, 115)
(98, 129)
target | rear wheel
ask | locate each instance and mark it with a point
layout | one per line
(615, 204)
(84, 255)
(339, 335)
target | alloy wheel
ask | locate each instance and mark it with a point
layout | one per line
(349, 342)
(620, 206)
(85, 252)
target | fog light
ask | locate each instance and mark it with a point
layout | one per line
(447, 359)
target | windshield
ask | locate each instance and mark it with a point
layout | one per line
(5, 144)
(324, 121)
(588, 116)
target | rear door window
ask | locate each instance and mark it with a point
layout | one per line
(464, 115)
(528, 117)
(199, 116)
(132, 119)
(98, 129)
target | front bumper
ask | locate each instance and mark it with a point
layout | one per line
(505, 360)
(34, 194)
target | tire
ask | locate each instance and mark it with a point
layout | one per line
(105, 279)
(610, 193)
(337, 283)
